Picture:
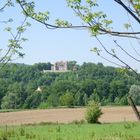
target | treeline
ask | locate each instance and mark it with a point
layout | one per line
(27, 86)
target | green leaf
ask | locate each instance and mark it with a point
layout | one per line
(8, 29)
(127, 26)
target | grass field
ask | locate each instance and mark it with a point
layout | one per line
(73, 131)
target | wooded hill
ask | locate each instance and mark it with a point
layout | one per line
(27, 86)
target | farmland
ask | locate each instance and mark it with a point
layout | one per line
(65, 115)
(117, 123)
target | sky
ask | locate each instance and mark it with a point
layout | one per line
(46, 45)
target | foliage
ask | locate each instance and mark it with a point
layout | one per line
(19, 84)
(93, 112)
(13, 48)
(43, 105)
(135, 93)
(67, 99)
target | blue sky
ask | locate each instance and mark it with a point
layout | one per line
(68, 44)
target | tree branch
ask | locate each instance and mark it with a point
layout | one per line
(136, 10)
(4, 6)
(115, 56)
(103, 31)
(7, 56)
(126, 52)
(128, 10)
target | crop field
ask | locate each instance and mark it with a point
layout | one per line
(65, 115)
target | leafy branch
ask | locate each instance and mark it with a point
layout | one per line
(96, 21)
(14, 44)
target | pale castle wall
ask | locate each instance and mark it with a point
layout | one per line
(60, 66)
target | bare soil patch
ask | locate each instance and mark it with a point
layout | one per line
(110, 114)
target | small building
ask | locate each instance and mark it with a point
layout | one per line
(39, 89)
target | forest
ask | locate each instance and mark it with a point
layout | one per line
(107, 85)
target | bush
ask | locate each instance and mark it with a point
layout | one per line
(93, 112)
(43, 105)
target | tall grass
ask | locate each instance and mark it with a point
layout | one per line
(73, 131)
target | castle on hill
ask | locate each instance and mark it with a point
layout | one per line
(60, 66)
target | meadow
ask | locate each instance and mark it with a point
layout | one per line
(72, 131)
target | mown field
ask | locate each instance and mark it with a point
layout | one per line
(65, 115)
(73, 131)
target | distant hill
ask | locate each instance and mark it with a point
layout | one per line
(89, 81)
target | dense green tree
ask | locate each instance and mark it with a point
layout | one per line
(135, 93)
(72, 65)
(15, 96)
(65, 85)
(88, 86)
(43, 66)
(31, 87)
(85, 99)
(9, 101)
(102, 89)
(3, 88)
(94, 96)
(67, 99)
(33, 101)
(117, 89)
(53, 100)
(79, 99)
